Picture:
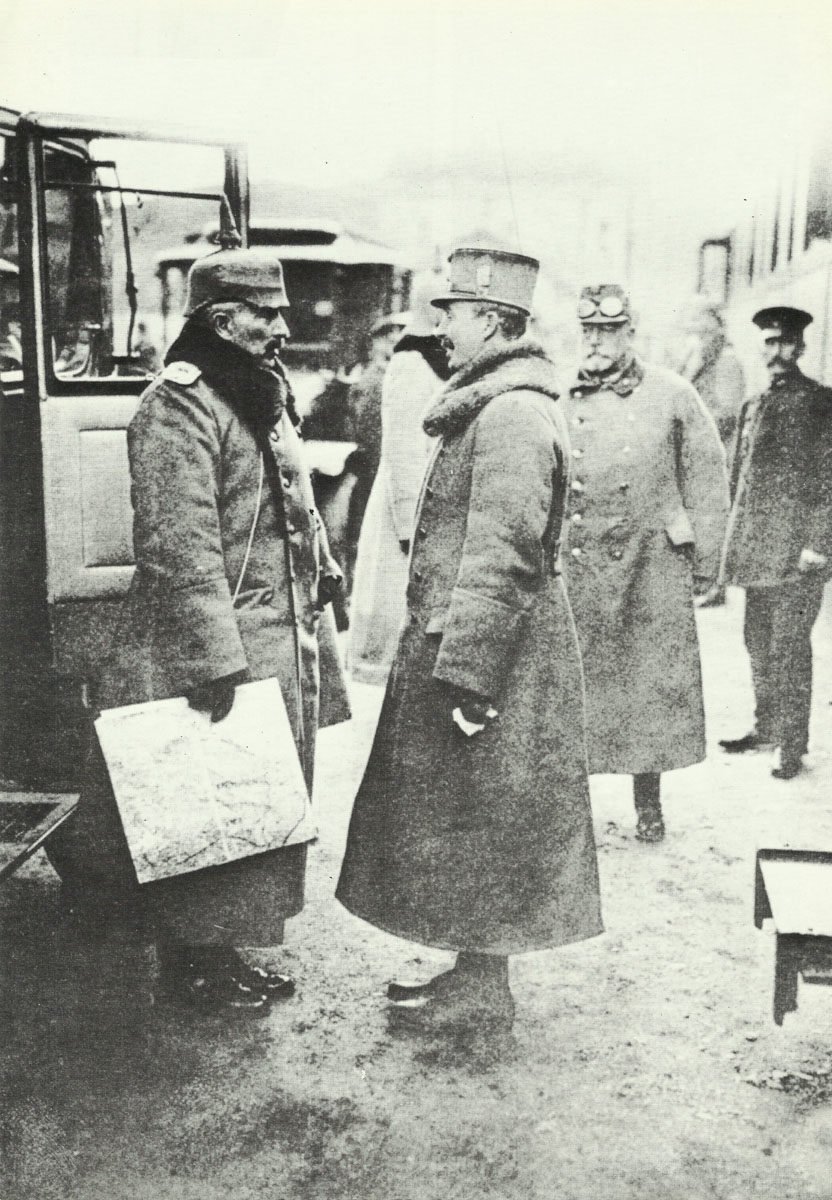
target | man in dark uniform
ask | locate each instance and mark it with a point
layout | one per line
(780, 536)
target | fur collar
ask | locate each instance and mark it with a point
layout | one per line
(258, 395)
(522, 365)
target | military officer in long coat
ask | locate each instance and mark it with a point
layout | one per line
(647, 516)
(472, 830)
(232, 571)
(779, 544)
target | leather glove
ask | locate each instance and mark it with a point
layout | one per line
(329, 587)
(404, 545)
(470, 712)
(216, 697)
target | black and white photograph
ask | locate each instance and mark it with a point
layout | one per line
(415, 646)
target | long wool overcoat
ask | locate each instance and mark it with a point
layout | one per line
(483, 844)
(195, 450)
(648, 507)
(377, 604)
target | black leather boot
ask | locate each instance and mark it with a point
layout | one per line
(647, 799)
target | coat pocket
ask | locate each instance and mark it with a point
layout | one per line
(679, 529)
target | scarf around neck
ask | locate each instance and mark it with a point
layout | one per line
(258, 395)
(521, 366)
(623, 380)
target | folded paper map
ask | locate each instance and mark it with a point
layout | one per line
(192, 794)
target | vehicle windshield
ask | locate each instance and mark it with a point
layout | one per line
(112, 208)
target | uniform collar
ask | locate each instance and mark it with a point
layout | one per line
(258, 395)
(623, 380)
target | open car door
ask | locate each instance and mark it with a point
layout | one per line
(96, 203)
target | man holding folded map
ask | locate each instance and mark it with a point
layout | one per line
(232, 576)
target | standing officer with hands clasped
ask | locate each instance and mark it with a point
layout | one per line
(779, 543)
(232, 571)
(472, 830)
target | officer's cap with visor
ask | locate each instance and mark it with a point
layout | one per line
(253, 277)
(604, 304)
(788, 322)
(497, 276)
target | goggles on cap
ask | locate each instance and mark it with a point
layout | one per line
(607, 306)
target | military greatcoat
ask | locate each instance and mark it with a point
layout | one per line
(195, 449)
(486, 843)
(647, 513)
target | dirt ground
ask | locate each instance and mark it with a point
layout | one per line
(643, 1064)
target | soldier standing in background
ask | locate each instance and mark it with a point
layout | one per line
(708, 360)
(649, 501)
(780, 537)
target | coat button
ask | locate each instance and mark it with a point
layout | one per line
(577, 518)
(623, 487)
(422, 531)
(577, 552)
(578, 421)
(417, 575)
(617, 554)
(577, 486)
(274, 436)
(577, 453)
(429, 492)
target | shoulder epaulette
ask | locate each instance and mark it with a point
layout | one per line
(184, 373)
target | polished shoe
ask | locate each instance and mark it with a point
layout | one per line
(750, 741)
(650, 827)
(788, 766)
(405, 993)
(461, 1009)
(215, 991)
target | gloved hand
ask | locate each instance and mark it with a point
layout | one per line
(216, 697)
(471, 712)
(329, 586)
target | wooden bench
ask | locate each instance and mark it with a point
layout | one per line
(793, 888)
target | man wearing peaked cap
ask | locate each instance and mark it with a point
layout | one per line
(779, 545)
(648, 504)
(232, 572)
(471, 831)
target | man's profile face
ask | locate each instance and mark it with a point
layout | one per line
(781, 348)
(462, 329)
(602, 345)
(261, 332)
